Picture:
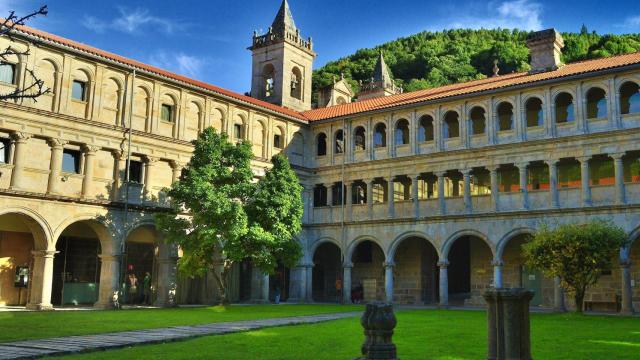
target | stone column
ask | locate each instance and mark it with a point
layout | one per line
(370, 197)
(176, 171)
(627, 291)
(55, 165)
(258, 286)
(619, 174)
(20, 140)
(42, 280)
(148, 175)
(109, 280)
(553, 182)
(415, 198)
(522, 168)
(584, 177)
(495, 187)
(558, 296)
(390, 199)
(346, 282)
(441, 200)
(265, 287)
(466, 176)
(508, 324)
(309, 283)
(167, 281)
(119, 170)
(348, 207)
(330, 201)
(297, 279)
(444, 284)
(497, 273)
(388, 281)
(89, 159)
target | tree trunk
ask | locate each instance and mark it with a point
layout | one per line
(579, 298)
(221, 280)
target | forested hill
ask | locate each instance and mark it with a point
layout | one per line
(430, 59)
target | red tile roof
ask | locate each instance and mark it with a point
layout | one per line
(121, 59)
(470, 87)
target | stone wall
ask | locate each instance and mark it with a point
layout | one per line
(15, 250)
(370, 271)
(414, 274)
(481, 271)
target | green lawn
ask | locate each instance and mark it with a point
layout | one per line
(421, 334)
(36, 325)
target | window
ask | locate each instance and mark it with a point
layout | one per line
(296, 84)
(427, 186)
(596, 103)
(538, 176)
(339, 142)
(505, 116)
(338, 193)
(564, 108)
(359, 193)
(277, 141)
(601, 171)
(358, 139)
(569, 174)
(135, 171)
(5, 145)
(79, 90)
(380, 136)
(452, 127)
(379, 192)
(237, 131)
(402, 132)
(631, 165)
(480, 182)
(534, 112)
(319, 196)
(508, 178)
(267, 75)
(321, 144)
(425, 132)
(7, 73)
(478, 121)
(166, 113)
(629, 98)
(71, 161)
(453, 184)
(402, 189)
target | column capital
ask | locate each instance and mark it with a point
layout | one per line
(617, 155)
(369, 180)
(625, 263)
(583, 159)
(178, 165)
(90, 149)
(151, 160)
(57, 143)
(522, 165)
(466, 171)
(347, 265)
(440, 173)
(497, 262)
(493, 167)
(117, 153)
(109, 257)
(414, 176)
(20, 136)
(552, 161)
(443, 264)
(388, 264)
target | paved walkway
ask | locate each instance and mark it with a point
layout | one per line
(30, 349)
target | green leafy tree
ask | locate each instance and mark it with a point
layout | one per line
(576, 253)
(214, 205)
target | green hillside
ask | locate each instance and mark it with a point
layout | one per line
(430, 59)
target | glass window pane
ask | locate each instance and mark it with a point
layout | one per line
(78, 90)
(166, 113)
(71, 161)
(135, 171)
(4, 151)
(7, 73)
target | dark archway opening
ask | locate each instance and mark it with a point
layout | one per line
(367, 276)
(416, 272)
(327, 271)
(470, 271)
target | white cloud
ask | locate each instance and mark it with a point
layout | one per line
(520, 14)
(130, 21)
(632, 22)
(179, 62)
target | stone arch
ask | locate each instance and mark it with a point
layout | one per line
(360, 239)
(444, 253)
(46, 70)
(102, 229)
(406, 235)
(502, 244)
(324, 240)
(321, 144)
(38, 226)
(634, 236)
(111, 100)
(217, 120)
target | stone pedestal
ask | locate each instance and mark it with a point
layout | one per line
(378, 322)
(508, 324)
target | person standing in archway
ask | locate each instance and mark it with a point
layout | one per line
(146, 289)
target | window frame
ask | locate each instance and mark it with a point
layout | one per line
(85, 90)
(14, 73)
(5, 151)
(170, 108)
(139, 165)
(76, 157)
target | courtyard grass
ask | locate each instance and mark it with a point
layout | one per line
(37, 325)
(420, 335)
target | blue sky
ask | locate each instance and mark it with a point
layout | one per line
(207, 39)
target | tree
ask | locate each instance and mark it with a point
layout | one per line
(220, 216)
(576, 253)
(33, 86)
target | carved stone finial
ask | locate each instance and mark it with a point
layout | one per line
(496, 69)
(378, 322)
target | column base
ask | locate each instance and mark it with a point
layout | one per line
(294, 301)
(103, 306)
(259, 301)
(39, 307)
(443, 307)
(165, 304)
(629, 312)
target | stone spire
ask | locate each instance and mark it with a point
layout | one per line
(381, 72)
(381, 83)
(284, 20)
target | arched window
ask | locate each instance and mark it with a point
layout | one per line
(596, 103)
(278, 139)
(339, 142)
(268, 74)
(533, 107)
(451, 125)
(564, 108)
(319, 195)
(359, 138)
(380, 135)
(110, 101)
(505, 116)
(425, 132)
(402, 132)
(629, 98)
(321, 144)
(478, 120)
(341, 100)
(296, 83)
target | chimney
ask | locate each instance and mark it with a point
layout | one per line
(545, 47)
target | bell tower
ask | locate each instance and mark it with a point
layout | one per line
(282, 63)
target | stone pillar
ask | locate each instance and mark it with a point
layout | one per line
(346, 282)
(265, 287)
(176, 171)
(466, 176)
(370, 197)
(55, 165)
(522, 169)
(309, 283)
(330, 201)
(497, 273)
(20, 140)
(627, 291)
(109, 280)
(388, 281)
(297, 278)
(619, 174)
(441, 200)
(89, 159)
(553, 182)
(558, 296)
(119, 169)
(148, 175)
(495, 187)
(508, 324)
(415, 195)
(167, 281)
(42, 280)
(258, 286)
(390, 200)
(584, 176)
(348, 208)
(444, 284)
